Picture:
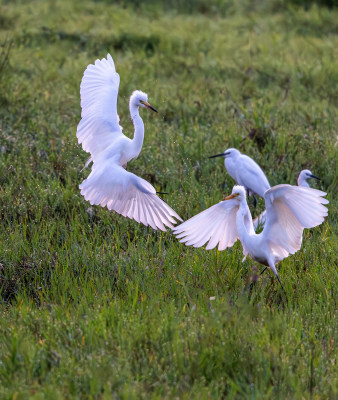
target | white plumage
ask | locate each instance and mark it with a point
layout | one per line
(289, 209)
(245, 171)
(301, 181)
(99, 125)
(216, 225)
(100, 134)
(304, 176)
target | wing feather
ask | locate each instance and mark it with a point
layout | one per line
(215, 225)
(129, 195)
(161, 215)
(131, 212)
(99, 125)
(290, 209)
(149, 215)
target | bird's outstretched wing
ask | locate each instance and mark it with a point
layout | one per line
(216, 224)
(99, 125)
(290, 209)
(111, 185)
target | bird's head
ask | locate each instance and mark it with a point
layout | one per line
(309, 174)
(238, 193)
(228, 153)
(306, 174)
(140, 99)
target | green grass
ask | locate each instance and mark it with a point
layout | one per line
(95, 306)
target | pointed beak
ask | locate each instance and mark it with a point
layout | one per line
(218, 155)
(232, 196)
(316, 177)
(148, 106)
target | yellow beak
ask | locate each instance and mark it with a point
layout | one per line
(232, 196)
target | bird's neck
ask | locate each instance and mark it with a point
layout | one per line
(244, 232)
(137, 141)
(302, 182)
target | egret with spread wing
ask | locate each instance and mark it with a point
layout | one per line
(289, 209)
(245, 171)
(301, 181)
(109, 183)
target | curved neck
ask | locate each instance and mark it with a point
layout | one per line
(302, 182)
(243, 213)
(137, 141)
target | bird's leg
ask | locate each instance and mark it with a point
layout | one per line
(251, 287)
(271, 263)
(254, 201)
(281, 284)
(253, 195)
(262, 272)
(273, 268)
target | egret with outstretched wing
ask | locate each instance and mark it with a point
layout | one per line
(109, 183)
(301, 181)
(289, 209)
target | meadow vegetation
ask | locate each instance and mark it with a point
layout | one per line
(95, 306)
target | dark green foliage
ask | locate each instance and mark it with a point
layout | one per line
(95, 306)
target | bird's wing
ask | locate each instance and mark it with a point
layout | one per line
(251, 176)
(99, 125)
(216, 224)
(111, 185)
(290, 209)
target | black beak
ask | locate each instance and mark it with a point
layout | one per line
(218, 155)
(149, 106)
(152, 108)
(316, 177)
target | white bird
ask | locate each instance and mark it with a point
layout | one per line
(304, 176)
(245, 171)
(99, 132)
(301, 181)
(289, 209)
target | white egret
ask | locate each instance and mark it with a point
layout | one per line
(304, 176)
(245, 171)
(301, 181)
(99, 132)
(289, 209)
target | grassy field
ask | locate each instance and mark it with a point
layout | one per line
(95, 306)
